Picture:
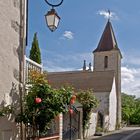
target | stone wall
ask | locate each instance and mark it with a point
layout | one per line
(92, 125)
(112, 60)
(103, 98)
(9, 44)
(103, 108)
(9, 63)
(114, 63)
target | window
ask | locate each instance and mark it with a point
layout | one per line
(106, 62)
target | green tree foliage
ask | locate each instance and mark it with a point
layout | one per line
(89, 102)
(130, 109)
(53, 102)
(35, 53)
(135, 118)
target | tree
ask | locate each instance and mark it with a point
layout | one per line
(128, 107)
(35, 53)
(43, 103)
(135, 117)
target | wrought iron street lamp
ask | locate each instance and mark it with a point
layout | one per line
(52, 18)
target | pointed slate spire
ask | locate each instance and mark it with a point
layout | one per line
(108, 41)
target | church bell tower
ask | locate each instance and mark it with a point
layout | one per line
(107, 56)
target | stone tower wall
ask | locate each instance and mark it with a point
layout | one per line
(99, 60)
(114, 63)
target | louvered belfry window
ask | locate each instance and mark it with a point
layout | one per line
(106, 62)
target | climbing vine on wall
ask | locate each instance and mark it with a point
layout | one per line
(5, 110)
(89, 102)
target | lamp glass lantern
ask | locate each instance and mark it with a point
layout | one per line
(52, 19)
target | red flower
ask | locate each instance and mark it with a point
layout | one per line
(71, 111)
(73, 99)
(38, 100)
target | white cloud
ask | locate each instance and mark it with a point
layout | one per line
(127, 75)
(108, 14)
(133, 60)
(131, 80)
(68, 35)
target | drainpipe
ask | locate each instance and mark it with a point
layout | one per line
(21, 60)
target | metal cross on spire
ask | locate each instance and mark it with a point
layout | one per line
(109, 14)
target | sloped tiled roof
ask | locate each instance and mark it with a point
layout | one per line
(108, 41)
(98, 81)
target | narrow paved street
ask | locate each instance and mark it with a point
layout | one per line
(129, 133)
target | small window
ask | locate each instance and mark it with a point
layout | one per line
(106, 62)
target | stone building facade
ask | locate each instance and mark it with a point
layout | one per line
(104, 80)
(12, 44)
(107, 56)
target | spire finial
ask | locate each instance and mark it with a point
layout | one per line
(109, 14)
(84, 66)
(89, 67)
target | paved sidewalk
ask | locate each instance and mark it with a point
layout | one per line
(113, 132)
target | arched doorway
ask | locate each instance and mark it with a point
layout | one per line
(100, 120)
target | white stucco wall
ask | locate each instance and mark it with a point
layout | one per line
(112, 107)
(9, 130)
(92, 125)
(103, 107)
(9, 63)
(103, 98)
(9, 43)
(108, 107)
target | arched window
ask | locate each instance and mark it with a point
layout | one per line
(106, 62)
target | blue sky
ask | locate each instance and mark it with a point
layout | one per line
(82, 23)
